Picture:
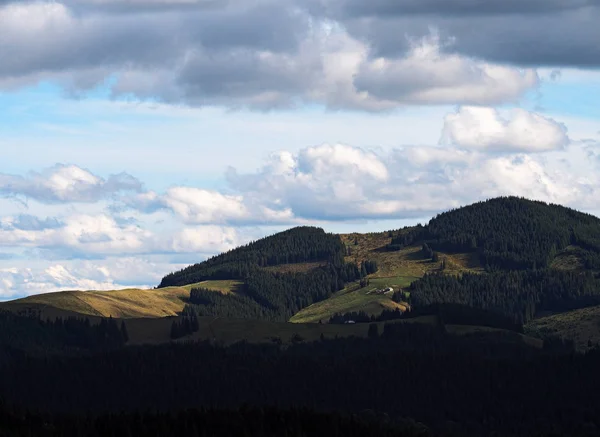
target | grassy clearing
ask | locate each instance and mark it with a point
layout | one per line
(406, 262)
(128, 303)
(568, 259)
(224, 286)
(355, 298)
(581, 326)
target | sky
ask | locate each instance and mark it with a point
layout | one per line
(139, 136)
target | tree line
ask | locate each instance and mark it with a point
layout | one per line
(35, 334)
(484, 383)
(519, 294)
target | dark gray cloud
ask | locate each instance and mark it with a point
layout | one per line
(61, 39)
(552, 34)
(269, 54)
(243, 75)
(389, 8)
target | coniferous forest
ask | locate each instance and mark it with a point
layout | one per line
(479, 384)
(301, 244)
(513, 233)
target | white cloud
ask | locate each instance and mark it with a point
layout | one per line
(196, 205)
(205, 239)
(482, 128)
(327, 159)
(100, 236)
(66, 183)
(425, 75)
(200, 206)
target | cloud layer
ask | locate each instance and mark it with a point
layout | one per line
(258, 54)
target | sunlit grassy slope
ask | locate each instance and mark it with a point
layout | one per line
(126, 303)
(354, 298)
(396, 269)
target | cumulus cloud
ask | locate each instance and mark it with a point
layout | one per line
(334, 182)
(205, 239)
(257, 54)
(412, 181)
(200, 206)
(100, 236)
(66, 183)
(426, 75)
(481, 128)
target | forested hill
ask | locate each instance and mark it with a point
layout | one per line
(508, 233)
(300, 244)
(513, 233)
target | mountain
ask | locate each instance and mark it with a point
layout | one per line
(513, 256)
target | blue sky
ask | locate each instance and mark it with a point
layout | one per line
(134, 141)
